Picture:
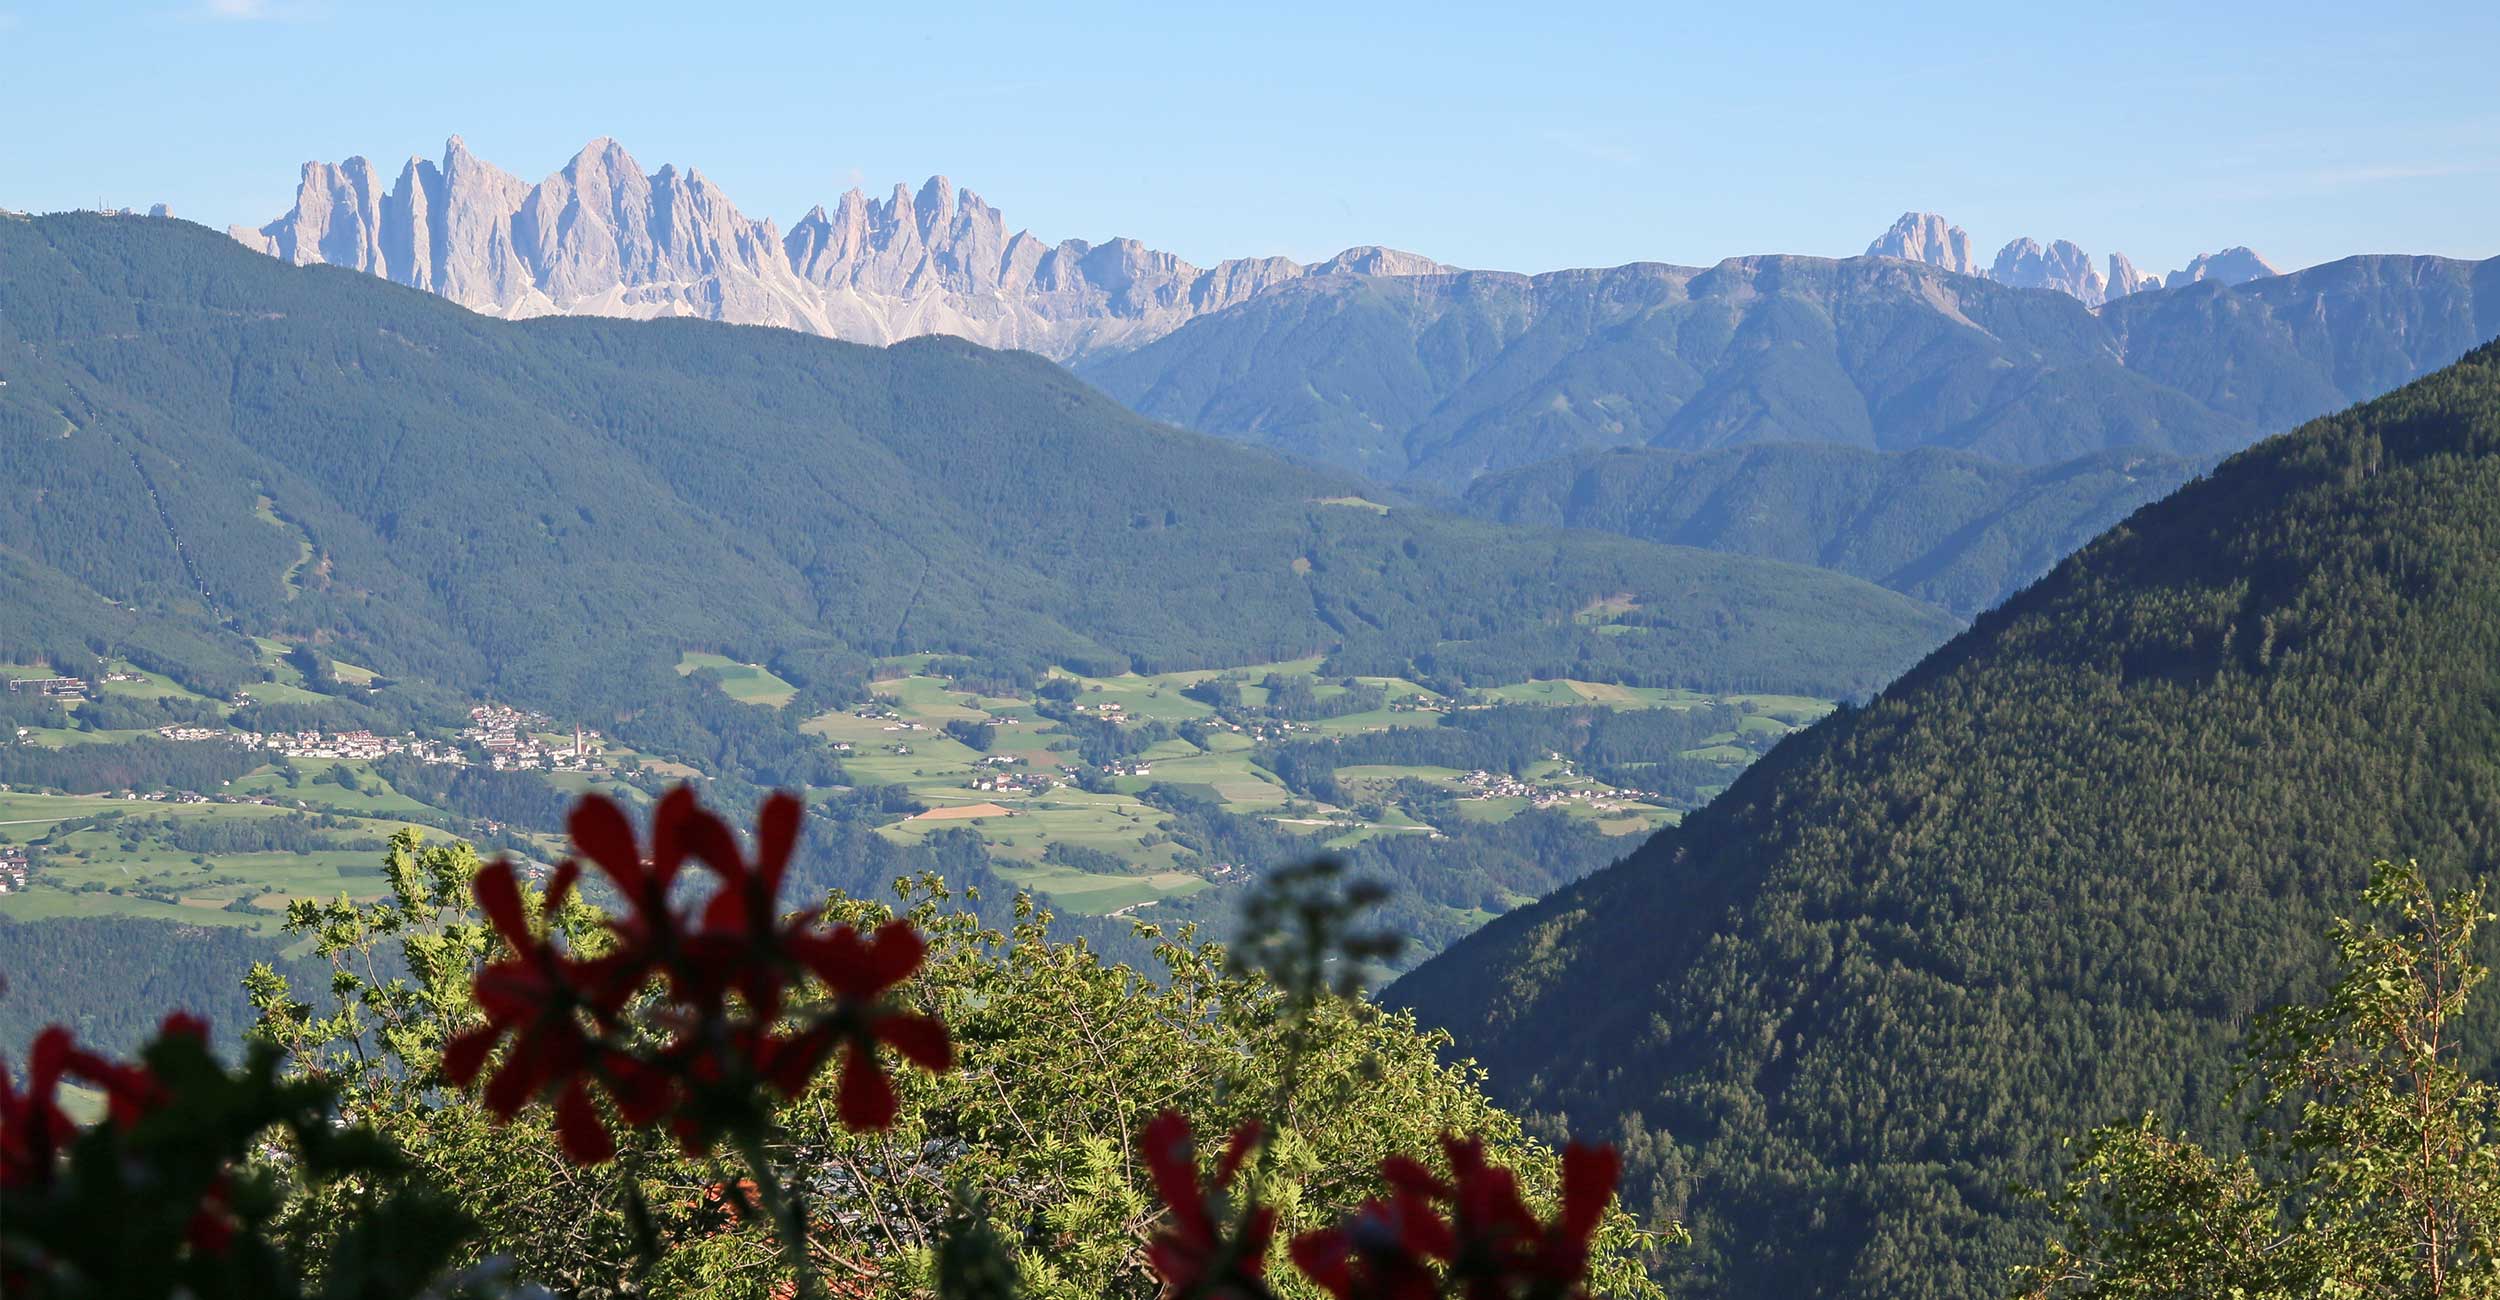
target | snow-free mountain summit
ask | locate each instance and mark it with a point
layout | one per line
(601, 237)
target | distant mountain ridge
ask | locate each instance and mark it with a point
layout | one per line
(1928, 238)
(209, 439)
(1441, 378)
(601, 237)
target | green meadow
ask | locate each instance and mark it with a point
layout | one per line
(749, 683)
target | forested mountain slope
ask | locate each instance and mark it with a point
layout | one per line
(557, 508)
(1959, 530)
(2041, 882)
(1440, 378)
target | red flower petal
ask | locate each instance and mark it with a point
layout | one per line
(509, 991)
(790, 1063)
(512, 1086)
(1254, 1239)
(1588, 1185)
(1172, 1161)
(895, 954)
(776, 834)
(578, 1127)
(182, 1024)
(1420, 1231)
(727, 912)
(921, 1039)
(560, 885)
(678, 827)
(641, 1091)
(599, 828)
(51, 1051)
(466, 1053)
(1409, 1175)
(1244, 1138)
(865, 1100)
(498, 894)
(1321, 1255)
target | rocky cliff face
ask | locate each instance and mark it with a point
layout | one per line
(2024, 264)
(2124, 279)
(2230, 266)
(1925, 237)
(602, 237)
(2062, 266)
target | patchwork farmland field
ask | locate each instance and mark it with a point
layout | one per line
(1090, 789)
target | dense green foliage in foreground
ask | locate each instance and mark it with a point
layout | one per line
(2379, 1167)
(1944, 526)
(1060, 1060)
(1440, 378)
(557, 510)
(2041, 882)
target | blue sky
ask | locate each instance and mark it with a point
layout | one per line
(1517, 136)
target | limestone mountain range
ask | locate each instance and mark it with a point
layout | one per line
(603, 237)
(2062, 265)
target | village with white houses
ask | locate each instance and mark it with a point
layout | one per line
(512, 740)
(1562, 786)
(505, 738)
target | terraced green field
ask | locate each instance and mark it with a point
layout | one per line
(97, 871)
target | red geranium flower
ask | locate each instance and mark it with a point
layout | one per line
(1490, 1244)
(1193, 1257)
(651, 935)
(538, 999)
(1384, 1251)
(563, 1018)
(860, 973)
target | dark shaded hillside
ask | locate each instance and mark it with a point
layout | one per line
(1442, 378)
(1947, 527)
(557, 508)
(112, 979)
(2040, 883)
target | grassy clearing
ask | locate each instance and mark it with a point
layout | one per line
(1349, 724)
(1144, 699)
(1795, 710)
(930, 700)
(1384, 774)
(57, 737)
(1570, 693)
(151, 688)
(266, 510)
(1088, 894)
(374, 796)
(283, 693)
(746, 683)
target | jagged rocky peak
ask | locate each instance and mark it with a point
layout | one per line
(2237, 265)
(2124, 279)
(1927, 237)
(1372, 259)
(603, 237)
(2024, 264)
